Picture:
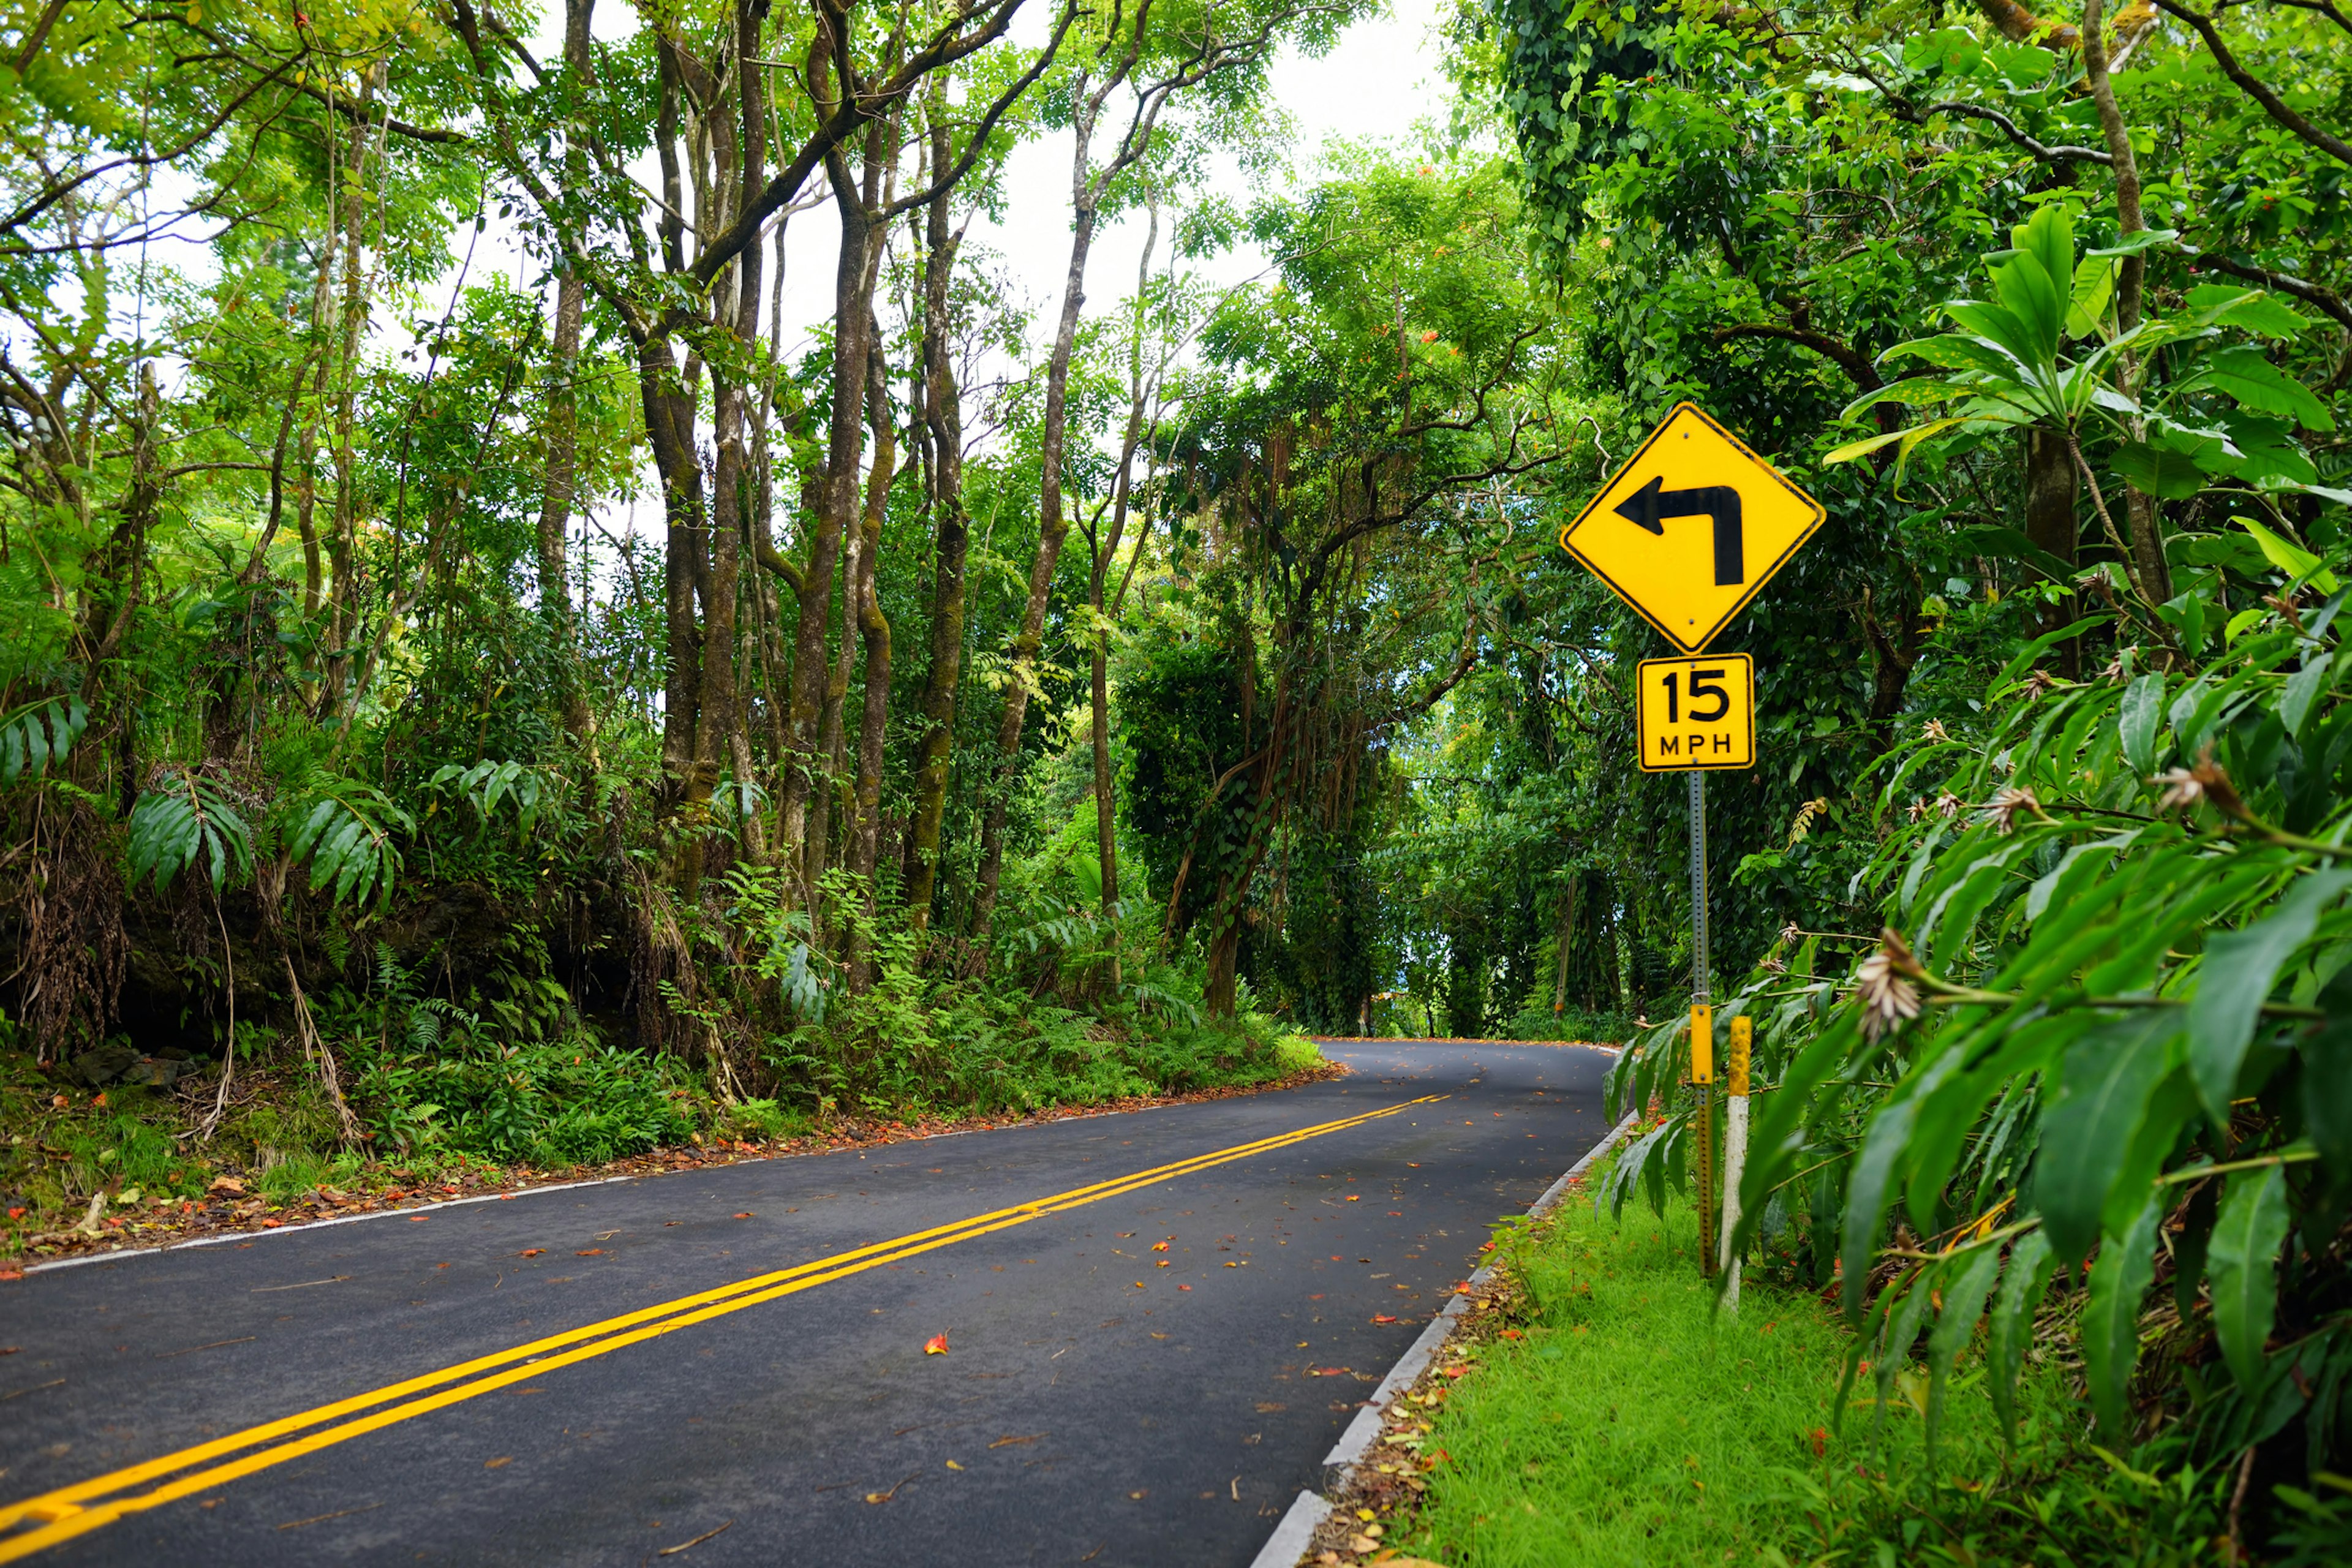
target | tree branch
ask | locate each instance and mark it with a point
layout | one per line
(2334, 146)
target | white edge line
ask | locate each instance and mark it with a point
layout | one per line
(117, 1255)
(1365, 1429)
(1295, 1534)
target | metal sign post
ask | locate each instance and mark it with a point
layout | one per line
(1702, 1024)
(1687, 533)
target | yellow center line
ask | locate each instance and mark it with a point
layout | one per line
(70, 1511)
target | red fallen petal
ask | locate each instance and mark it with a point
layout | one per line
(530, 1252)
(936, 1345)
(591, 1252)
(742, 1216)
(1183, 1287)
(271, 1223)
(1382, 1318)
(418, 1218)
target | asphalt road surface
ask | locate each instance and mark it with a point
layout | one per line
(596, 1375)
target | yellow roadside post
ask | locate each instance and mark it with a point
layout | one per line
(1735, 1150)
(1736, 521)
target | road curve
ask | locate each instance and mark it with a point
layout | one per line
(734, 1357)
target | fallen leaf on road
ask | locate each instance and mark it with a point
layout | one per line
(1161, 1264)
(1327, 1372)
(1138, 1497)
(1008, 1441)
(501, 1460)
(418, 1218)
(936, 1345)
(1354, 1199)
(1125, 1233)
(1302, 1344)
(1233, 1266)
(10, 1350)
(1382, 1318)
(530, 1252)
(1335, 1258)
(590, 1252)
(951, 1464)
(1158, 1246)
(1183, 1287)
(1138, 1284)
(742, 1216)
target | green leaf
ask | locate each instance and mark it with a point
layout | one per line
(2141, 720)
(2245, 374)
(2010, 1332)
(1955, 1324)
(2292, 559)
(2110, 1328)
(2157, 471)
(2234, 980)
(1882, 1147)
(2133, 244)
(2233, 305)
(2240, 1264)
(2102, 1098)
(2303, 689)
(2326, 1086)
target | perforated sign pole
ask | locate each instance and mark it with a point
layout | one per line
(1702, 1023)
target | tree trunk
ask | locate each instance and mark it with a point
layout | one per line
(563, 425)
(854, 281)
(1052, 529)
(2148, 567)
(864, 606)
(944, 417)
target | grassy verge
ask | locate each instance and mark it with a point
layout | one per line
(84, 1169)
(1596, 1409)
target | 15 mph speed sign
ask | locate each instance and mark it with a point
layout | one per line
(1697, 712)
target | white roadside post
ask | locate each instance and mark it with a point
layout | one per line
(1734, 1152)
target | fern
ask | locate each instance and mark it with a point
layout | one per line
(188, 820)
(346, 836)
(38, 735)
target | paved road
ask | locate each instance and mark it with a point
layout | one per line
(593, 1375)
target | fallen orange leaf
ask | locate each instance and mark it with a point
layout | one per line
(591, 1252)
(530, 1252)
(501, 1460)
(936, 1345)
(742, 1216)
(1158, 1246)
(1382, 1318)
(1183, 1287)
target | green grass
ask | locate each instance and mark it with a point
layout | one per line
(1635, 1425)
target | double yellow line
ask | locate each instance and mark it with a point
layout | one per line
(60, 1516)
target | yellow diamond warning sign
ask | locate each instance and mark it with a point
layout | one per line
(1697, 712)
(1690, 528)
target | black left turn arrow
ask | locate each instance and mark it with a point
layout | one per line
(1651, 505)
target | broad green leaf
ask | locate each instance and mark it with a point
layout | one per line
(2133, 244)
(2303, 689)
(2240, 1264)
(2088, 1130)
(2141, 713)
(2289, 558)
(2157, 471)
(2245, 374)
(2010, 1332)
(2234, 305)
(2095, 287)
(2110, 1326)
(2235, 979)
